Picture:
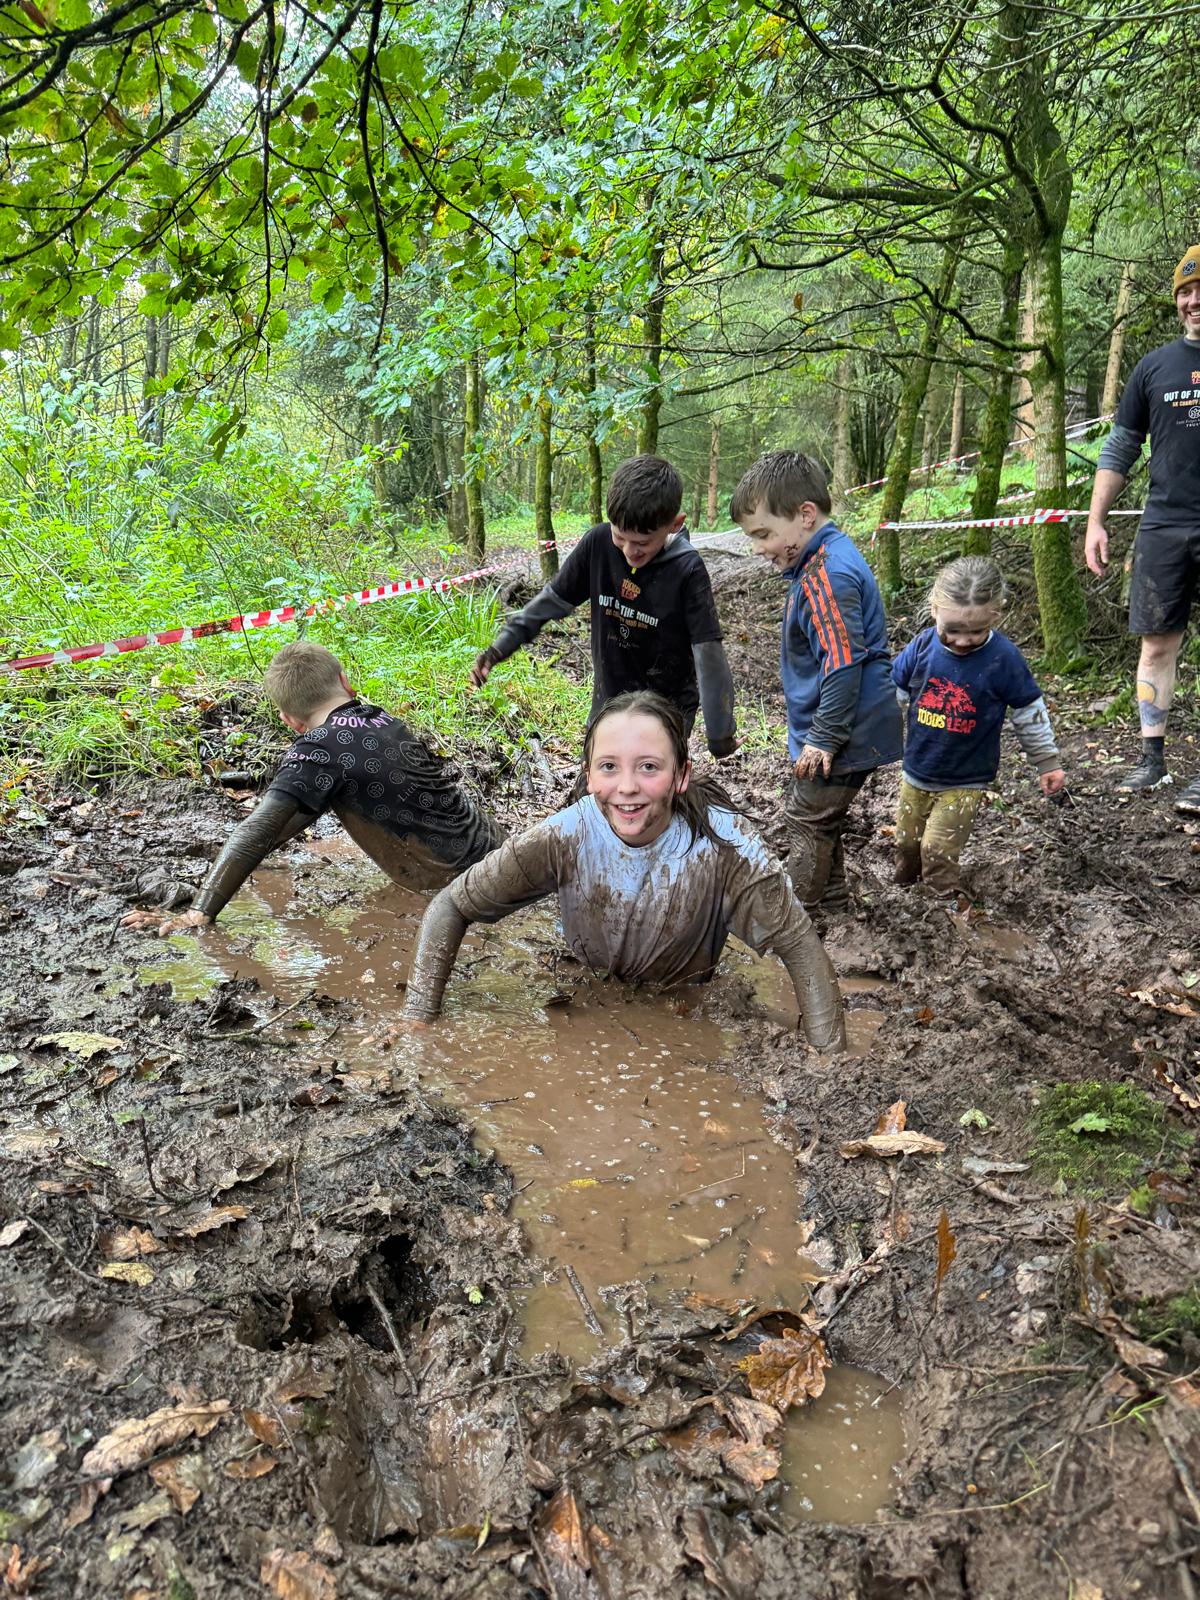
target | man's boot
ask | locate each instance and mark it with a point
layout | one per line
(1189, 800)
(908, 863)
(1150, 771)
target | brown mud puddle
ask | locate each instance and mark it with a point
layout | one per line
(638, 1167)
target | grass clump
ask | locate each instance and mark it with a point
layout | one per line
(1100, 1137)
(1168, 1321)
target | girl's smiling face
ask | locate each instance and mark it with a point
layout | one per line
(633, 777)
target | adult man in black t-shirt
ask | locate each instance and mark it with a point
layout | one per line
(1162, 398)
(399, 803)
(654, 623)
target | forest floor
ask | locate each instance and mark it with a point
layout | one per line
(264, 1283)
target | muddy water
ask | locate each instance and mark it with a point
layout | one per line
(634, 1160)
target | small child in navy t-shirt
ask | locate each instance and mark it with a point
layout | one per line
(958, 680)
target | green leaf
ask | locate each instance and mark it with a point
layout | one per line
(1091, 1122)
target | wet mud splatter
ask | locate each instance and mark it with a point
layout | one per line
(287, 1313)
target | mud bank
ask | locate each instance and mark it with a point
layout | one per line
(292, 1270)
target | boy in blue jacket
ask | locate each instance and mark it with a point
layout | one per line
(843, 720)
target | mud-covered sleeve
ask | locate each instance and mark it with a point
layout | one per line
(1034, 732)
(521, 871)
(278, 817)
(834, 622)
(522, 626)
(699, 607)
(716, 696)
(763, 912)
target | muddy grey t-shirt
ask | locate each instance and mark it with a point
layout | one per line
(659, 912)
(371, 769)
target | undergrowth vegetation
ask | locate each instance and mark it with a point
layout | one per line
(102, 536)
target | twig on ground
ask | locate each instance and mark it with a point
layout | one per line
(1181, 1467)
(62, 1254)
(389, 1326)
(594, 1325)
(259, 1028)
(1071, 1437)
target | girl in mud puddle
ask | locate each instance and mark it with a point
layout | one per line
(957, 680)
(652, 873)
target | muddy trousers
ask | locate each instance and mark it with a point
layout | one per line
(814, 812)
(932, 827)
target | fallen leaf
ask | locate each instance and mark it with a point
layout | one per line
(19, 1575)
(697, 1300)
(12, 1231)
(1173, 1002)
(947, 1250)
(746, 1451)
(1182, 1095)
(562, 1528)
(893, 1144)
(84, 1045)
(218, 1217)
(317, 1094)
(35, 1460)
(128, 1272)
(296, 1576)
(925, 1016)
(978, 1167)
(265, 1428)
(582, 1183)
(29, 1141)
(184, 1478)
(306, 1383)
(255, 1466)
(894, 1119)
(786, 1372)
(89, 1496)
(131, 1443)
(129, 1244)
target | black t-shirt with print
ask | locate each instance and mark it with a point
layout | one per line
(644, 622)
(364, 760)
(1162, 398)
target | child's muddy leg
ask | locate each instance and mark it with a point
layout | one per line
(912, 813)
(951, 818)
(815, 814)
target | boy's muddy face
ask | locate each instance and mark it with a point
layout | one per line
(963, 628)
(641, 548)
(633, 778)
(780, 540)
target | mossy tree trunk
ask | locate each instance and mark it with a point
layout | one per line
(652, 320)
(473, 467)
(997, 413)
(543, 497)
(845, 470)
(1116, 342)
(714, 470)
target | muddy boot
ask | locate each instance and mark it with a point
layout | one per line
(1189, 800)
(940, 873)
(908, 863)
(1150, 771)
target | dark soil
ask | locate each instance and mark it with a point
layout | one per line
(378, 1433)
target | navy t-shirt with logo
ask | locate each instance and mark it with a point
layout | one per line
(364, 760)
(1162, 398)
(644, 621)
(957, 705)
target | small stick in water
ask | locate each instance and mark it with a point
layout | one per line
(594, 1325)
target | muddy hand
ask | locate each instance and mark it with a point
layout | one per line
(813, 762)
(164, 925)
(484, 662)
(1053, 783)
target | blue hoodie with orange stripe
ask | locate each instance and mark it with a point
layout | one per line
(835, 662)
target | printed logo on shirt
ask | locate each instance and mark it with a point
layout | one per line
(626, 617)
(629, 589)
(1195, 376)
(946, 705)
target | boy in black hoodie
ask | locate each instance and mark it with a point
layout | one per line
(653, 624)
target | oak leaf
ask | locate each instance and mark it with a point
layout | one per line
(296, 1576)
(788, 1371)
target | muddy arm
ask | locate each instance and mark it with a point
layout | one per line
(442, 930)
(817, 994)
(276, 819)
(522, 626)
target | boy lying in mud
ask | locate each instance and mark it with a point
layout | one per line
(395, 800)
(652, 873)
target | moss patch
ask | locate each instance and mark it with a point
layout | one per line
(1101, 1137)
(1166, 1321)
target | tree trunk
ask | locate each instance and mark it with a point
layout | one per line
(70, 345)
(994, 431)
(443, 499)
(1024, 424)
(714, 472)
(916, 383)
(543, 509)
(473, 453)
(1116, 343)
(379, 465)
(456, 440)
(595, 463)
(145, 421)
(844, 469)
(653, 321)
(698, 490)
(929, 432)
(1063, 612)
(958, 411)
(91, 351)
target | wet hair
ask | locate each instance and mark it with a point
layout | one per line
(694, 803)
(301, 676)
(782, 480)
(644, 493)
(969, 581)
